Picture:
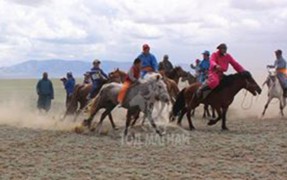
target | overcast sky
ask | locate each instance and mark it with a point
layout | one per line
(116, 29)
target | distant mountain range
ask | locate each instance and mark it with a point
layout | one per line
(58, 68)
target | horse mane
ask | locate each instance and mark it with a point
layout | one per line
(228, 80)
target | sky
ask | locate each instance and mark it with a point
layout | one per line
(116, 29)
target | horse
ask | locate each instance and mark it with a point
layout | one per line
(274, 90)
(219, 99)
(189, 78)
(172, 87)
(80, 94)
(140, 98)
(176, 73)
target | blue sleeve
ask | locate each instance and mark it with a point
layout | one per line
(104, 74)
(154, 63)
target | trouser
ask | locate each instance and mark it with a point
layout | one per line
(283, 80)
(123, 91)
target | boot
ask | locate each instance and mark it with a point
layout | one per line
(285, 93)
(201, 90)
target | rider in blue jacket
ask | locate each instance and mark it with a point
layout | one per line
(149, 62)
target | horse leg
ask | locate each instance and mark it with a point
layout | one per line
(128, 121)
(149, 116)
(223, 126)
(266, 105)
(182, 113)
(282, 106)
(188, 115)
(214, 121)
(206, 112)
(213, 112)
(136, 117)
(161, 110)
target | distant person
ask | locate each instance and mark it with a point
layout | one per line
(165, 65)
(280, 66)
(45, 93)
(98, 76)
(148, 60)
(204, 66)
(69, 84)
(196, 68)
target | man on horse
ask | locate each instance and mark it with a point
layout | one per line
(69, 84)
(148, 60)
(165, 65)
(196, 68)
(280, 66)
(203, 67)
(132, 78)
(97, 75)
(218, 65)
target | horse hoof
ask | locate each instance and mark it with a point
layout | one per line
(224, 129)
(192, 128)
(211, 122)
(86, 123)
(93, 129)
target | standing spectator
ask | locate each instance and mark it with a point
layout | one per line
(45, 93)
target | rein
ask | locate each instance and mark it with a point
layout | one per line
(250, 104)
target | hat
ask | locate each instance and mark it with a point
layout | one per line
(222, 46)
(206, 52)
(146, 46)
(96, 61)
(278, 51)
(69, 73)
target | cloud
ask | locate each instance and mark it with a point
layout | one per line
(116, 29)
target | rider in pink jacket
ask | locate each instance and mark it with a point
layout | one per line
(219, 63)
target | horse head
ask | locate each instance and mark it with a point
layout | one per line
(250, 84)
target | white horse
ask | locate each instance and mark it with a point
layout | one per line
(275, 90)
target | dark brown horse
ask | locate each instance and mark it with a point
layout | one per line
(219, 99)
(174, 74)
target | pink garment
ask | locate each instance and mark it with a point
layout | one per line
(214, 76)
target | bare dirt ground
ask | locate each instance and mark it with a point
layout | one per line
(35, 146)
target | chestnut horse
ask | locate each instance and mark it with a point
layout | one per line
(219, 99)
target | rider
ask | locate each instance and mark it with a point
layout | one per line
(203, 67)
(132, 78)
(280, 66)
(196, 68)
(69, 85)
(87, 79)
(97, 75)
(219, 62)
(148, 60)
(165, 65)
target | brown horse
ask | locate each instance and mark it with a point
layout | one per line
(80, 94)
(174, 74)
(219, 99)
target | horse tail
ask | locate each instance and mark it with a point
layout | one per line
(179, 103)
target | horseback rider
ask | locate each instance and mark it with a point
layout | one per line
(148, 60)
(165, 65)
(196, 68)
(97, 75)
(131, 78)
(87, 78)
(219, 62)
(203, 67)
(69, 84)
(281, 71)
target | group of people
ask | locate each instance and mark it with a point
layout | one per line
(209, 72)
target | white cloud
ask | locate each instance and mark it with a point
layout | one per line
(116, 29)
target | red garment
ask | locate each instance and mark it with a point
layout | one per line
(134, 73)
(223, 61)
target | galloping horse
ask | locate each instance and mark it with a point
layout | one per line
(175, 74)
(171, 85)
(80, 96)
(274, 90)
(140, 98)
(219, 99)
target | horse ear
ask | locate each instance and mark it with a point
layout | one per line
(118, 69)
